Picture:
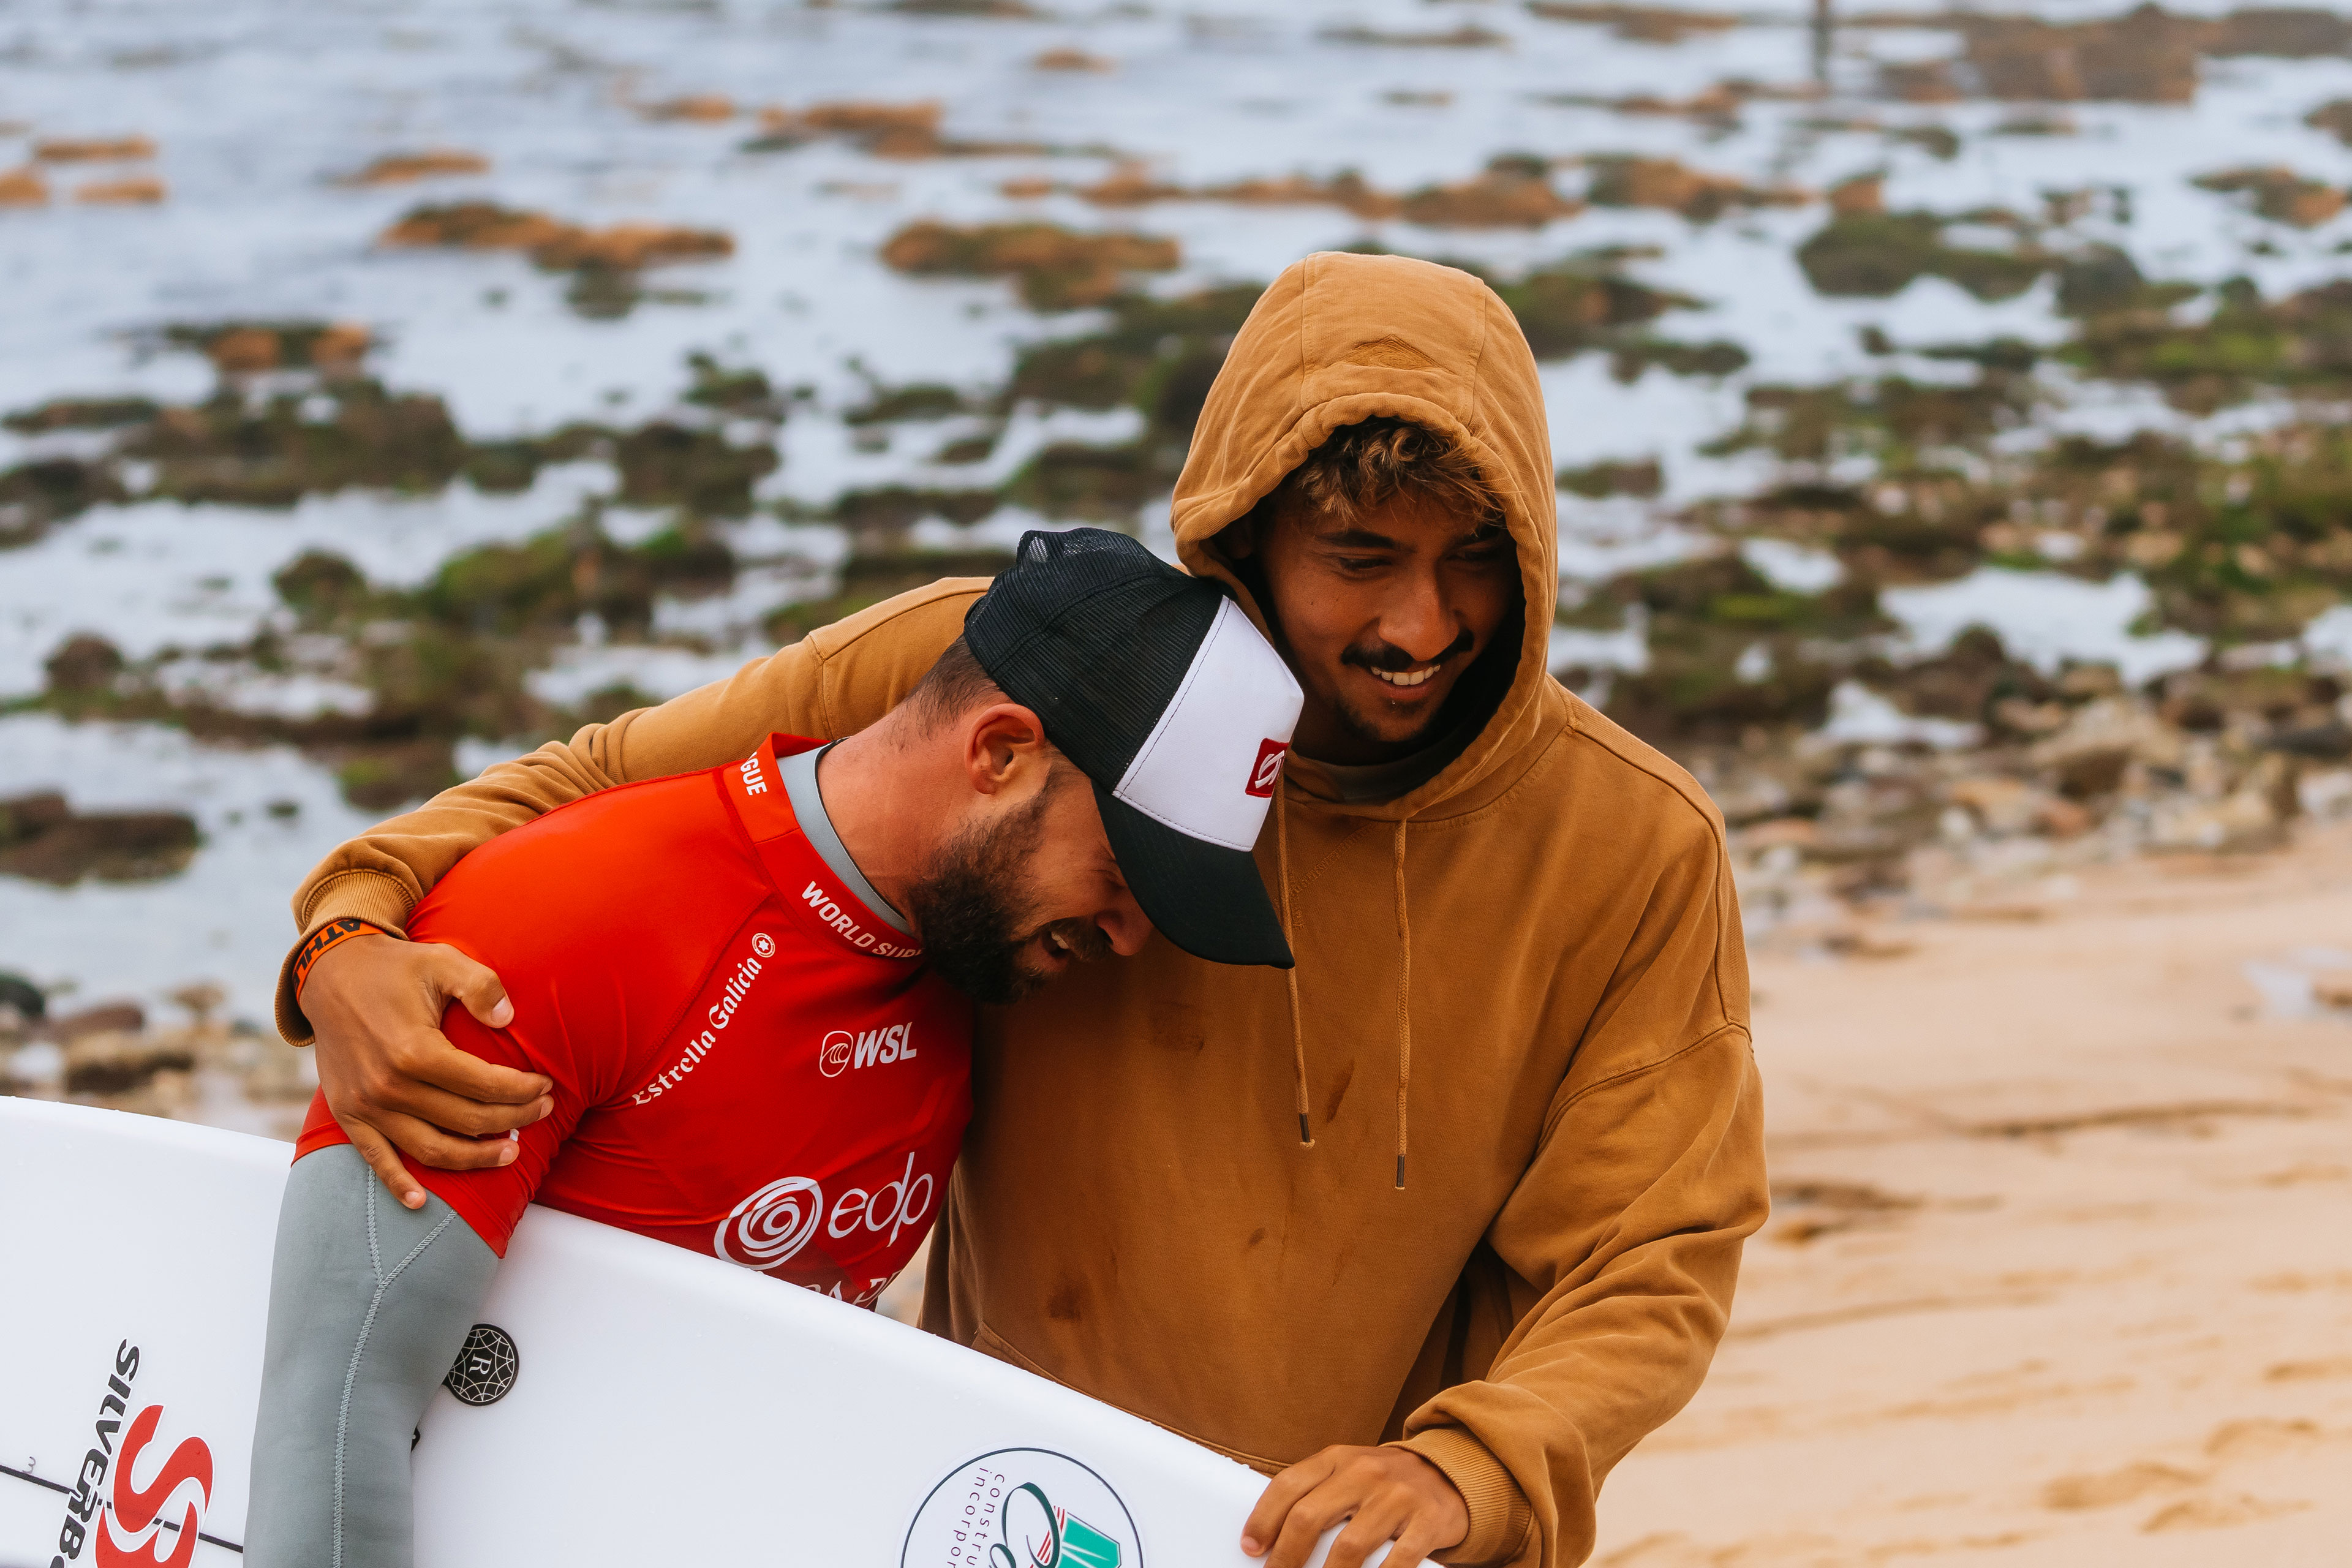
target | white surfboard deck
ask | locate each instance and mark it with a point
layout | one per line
(667, 1408)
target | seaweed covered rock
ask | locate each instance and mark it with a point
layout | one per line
(2146, 56)
(2282, 32)
(46, 490)
(44, 838)
(23, 188)
(1057, 269)
(1876, 256)
(1620, 181)
(2335, 117)
(1578, 305)
(2247, 345)
(1640, 23)
(2279, 193)
(132, 191)
(330, 348)
(662, 464)
(1515, 191)
(884, 130)
(94, 150)
(407, 168)
(231, 451)
(550, 243)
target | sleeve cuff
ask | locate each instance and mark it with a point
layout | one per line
(1500, 1517)
(365, 895)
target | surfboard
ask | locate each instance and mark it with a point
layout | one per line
(621, 1401)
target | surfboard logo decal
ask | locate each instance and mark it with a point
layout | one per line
(1023, 1507)
(136, 1509)
(772, 1225)
(486, 1367)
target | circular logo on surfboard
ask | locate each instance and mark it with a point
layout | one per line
(1021, 1508)
(486, 1368)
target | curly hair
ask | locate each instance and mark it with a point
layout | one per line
(1365, 465)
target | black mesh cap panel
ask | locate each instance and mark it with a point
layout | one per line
(1095, 634)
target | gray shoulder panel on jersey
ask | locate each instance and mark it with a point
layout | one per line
(799, 772)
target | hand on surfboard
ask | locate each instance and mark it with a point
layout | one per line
(1385, 1494)
(392, 1077)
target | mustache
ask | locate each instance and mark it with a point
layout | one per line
(1387, 656)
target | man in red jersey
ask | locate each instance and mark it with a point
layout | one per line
(751, 989)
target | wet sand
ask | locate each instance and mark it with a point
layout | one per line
(2060, 1269)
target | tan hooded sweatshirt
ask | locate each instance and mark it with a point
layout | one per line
(1521, 986)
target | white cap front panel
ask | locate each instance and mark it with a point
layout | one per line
(1208, 766)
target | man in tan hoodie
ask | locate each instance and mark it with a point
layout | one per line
(1441, 1222)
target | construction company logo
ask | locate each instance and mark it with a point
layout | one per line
(1266, 771)
(772, 1225)
(152, 1525)
(721, 1013)
(841, 1050)
(1023, 1507)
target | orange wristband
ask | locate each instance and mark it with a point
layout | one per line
(328, 936)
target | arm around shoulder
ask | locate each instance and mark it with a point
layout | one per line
(834, 682)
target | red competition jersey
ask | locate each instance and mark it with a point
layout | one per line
(747, 1061)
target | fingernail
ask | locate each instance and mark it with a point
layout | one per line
(1250, 1548)
(503, 1015)
(414, 1200)
(507, 1152)
(546, 1110)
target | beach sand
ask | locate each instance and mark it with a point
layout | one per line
(2060, 1268)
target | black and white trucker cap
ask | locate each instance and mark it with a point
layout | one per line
(1158, 688)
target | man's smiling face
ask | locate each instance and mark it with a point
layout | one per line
(1380, 615)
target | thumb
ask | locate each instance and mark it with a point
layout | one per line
(477, 985)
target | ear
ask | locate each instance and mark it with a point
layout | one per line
(1000, 743)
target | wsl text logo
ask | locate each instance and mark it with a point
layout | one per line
(1021, 1508)
(841, 1050)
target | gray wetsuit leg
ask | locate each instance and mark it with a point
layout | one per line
(369, 1303)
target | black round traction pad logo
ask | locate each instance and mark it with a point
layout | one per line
(486, 1368)
(1023, 1507)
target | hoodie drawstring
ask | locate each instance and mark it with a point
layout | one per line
(1404, 1003)
(1404, 983)
(1290, 933)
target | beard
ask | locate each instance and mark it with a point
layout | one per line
(976, 910)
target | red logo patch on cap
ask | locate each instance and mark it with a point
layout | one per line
(1267, 769)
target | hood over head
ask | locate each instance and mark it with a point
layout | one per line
(1341, 338)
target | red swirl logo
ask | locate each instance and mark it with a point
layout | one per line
(772, 1224)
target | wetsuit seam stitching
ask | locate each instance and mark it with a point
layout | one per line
(383, 1282)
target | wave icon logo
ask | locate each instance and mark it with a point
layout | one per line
(772, 1224)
